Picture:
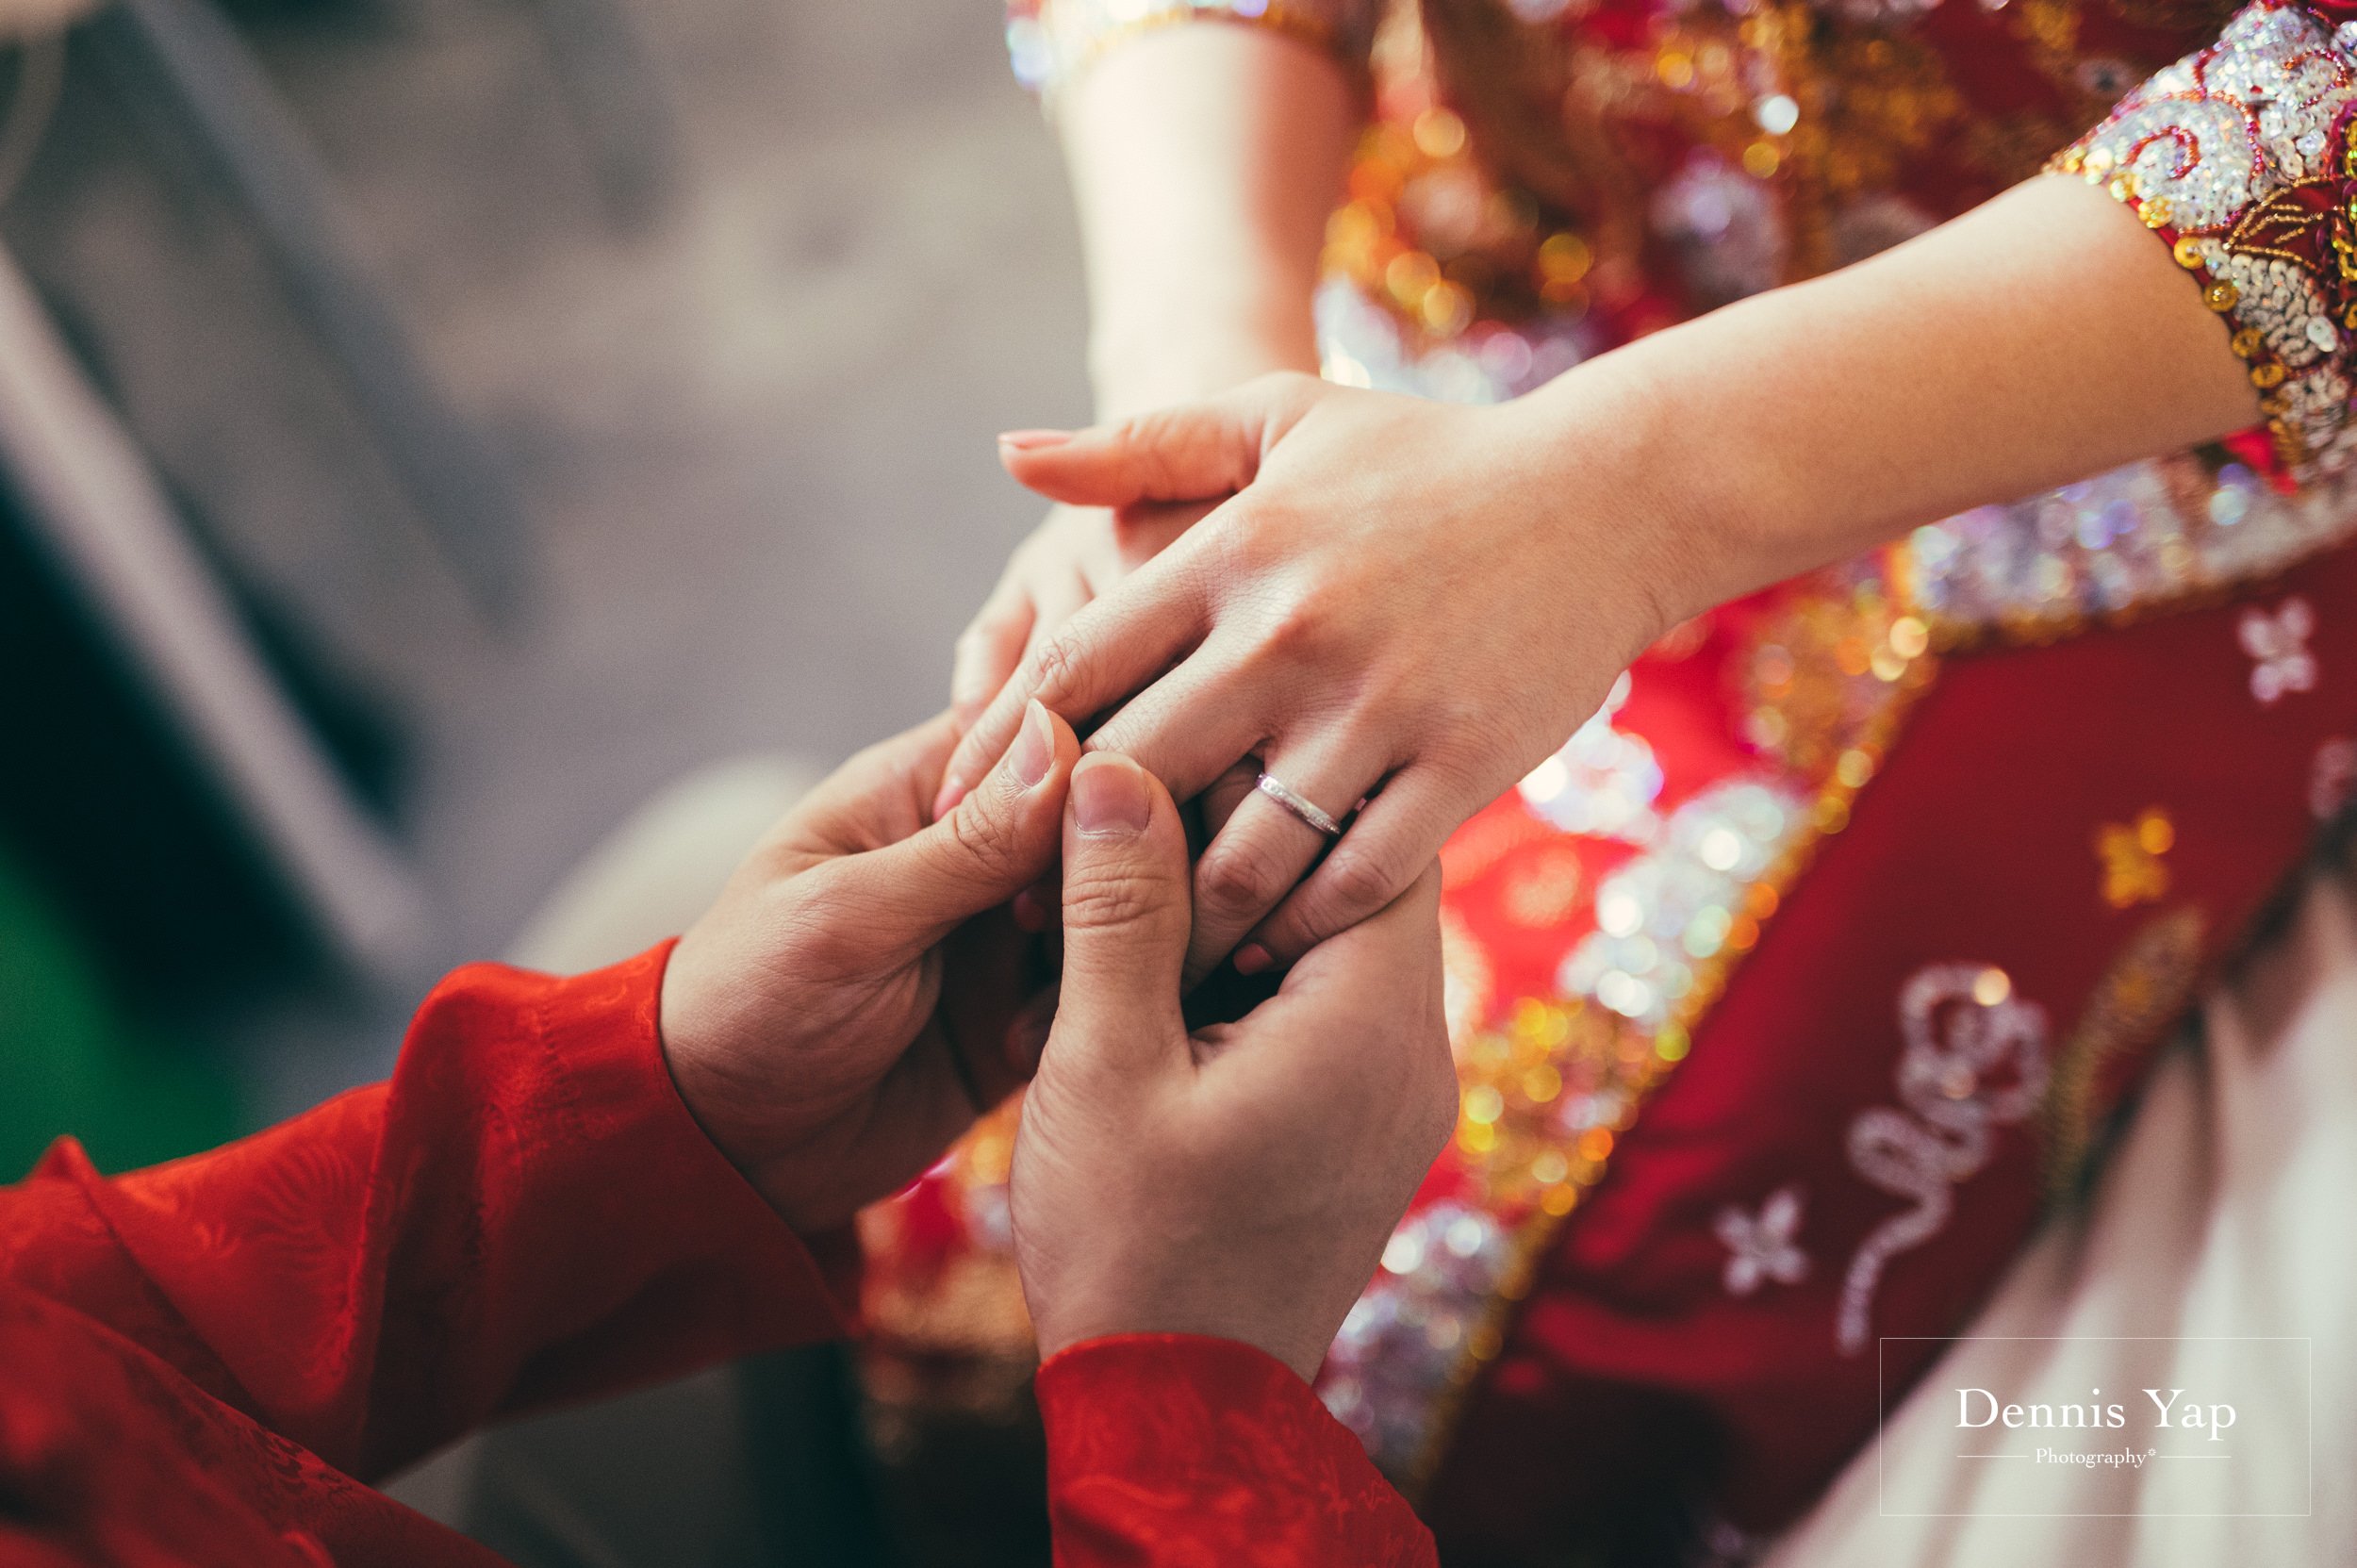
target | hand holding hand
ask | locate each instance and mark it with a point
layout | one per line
(1401, 596)
(1070, 561)
(858, 995)
(1238, 1181)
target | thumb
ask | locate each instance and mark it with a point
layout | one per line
(1001, 839)
(1126, 909)
(1193, 452)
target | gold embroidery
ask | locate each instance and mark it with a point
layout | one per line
(2274, 227)
(2146, 986)
(1521, 1169)
(1822, 110)
(1895, 99)
(1807, 684)
(2131, 854)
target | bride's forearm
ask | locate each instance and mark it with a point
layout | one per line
(1205, 159)
(2040, 338)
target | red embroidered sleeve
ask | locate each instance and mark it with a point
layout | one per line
(527, 1211)
(2239, 158)
(1176, 1449)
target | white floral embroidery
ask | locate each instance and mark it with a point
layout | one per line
(1760, 1247)
(1974, 1059)
(2278, 645)
(2330, 777)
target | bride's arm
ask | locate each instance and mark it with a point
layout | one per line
(1204, 161)
(1428, 599)
(2035, 341)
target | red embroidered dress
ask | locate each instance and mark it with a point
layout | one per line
(204, 1361)
(1789, 990)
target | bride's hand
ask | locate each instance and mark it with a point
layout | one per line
(1403, 597)
(1074, 557)
(1429, 598)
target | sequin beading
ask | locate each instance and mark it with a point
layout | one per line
(2238, 157)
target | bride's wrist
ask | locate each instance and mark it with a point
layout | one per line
(1649, 495)
(1136, 368)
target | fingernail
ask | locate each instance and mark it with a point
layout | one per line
(1030, 915)
(1252, 958)
(1035, 747)
(1031, 440)
(953, 790)
(1109, 799)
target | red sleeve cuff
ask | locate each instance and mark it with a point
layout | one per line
(527, 1213)
(631, 1196)
(1171, 1449)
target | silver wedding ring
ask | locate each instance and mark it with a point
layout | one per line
(1307, 810)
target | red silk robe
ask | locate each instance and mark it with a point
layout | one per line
(206, 1361)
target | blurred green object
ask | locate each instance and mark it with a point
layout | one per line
(72, 1061)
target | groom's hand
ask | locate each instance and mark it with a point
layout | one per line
(1239, 1180)
(858, 993)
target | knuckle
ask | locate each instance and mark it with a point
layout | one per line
(1297, 627)
(1394, 688)
(1225, 551)
(1059, 665)
(1462, 715)
(806, 915)
(1106, 898)
(981, 838)
(1147, 430)
(1149, 446)
(1358, 881)
(1451, 764)
(1238, 872)
(1306, 615)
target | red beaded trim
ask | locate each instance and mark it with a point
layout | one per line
(2312, 227)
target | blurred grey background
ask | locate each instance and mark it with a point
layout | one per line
(746, 407)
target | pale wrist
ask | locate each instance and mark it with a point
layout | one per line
(1609, 431)
(1138, 366)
